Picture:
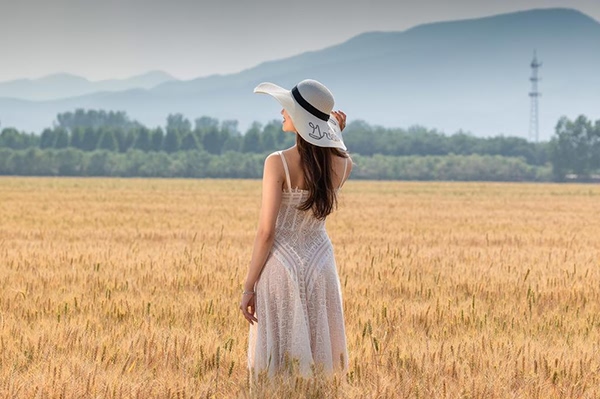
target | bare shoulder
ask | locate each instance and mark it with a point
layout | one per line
(272, 155)
(272, 160)
(273, 165)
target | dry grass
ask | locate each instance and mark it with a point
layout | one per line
(129, 289)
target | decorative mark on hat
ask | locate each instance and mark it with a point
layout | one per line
(318, 135)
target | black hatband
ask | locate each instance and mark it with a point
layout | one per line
(306, 105)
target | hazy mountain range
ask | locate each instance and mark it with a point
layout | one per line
(470, 74)
(63, 85)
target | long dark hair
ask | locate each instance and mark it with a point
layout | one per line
(317, 166)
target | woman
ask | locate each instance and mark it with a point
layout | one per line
(291, 295)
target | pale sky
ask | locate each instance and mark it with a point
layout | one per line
(192, 38)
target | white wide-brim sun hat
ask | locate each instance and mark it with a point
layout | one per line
(309, 105)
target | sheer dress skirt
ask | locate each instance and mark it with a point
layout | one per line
(299, 310)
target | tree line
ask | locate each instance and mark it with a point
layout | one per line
(100, 143)
(201, 164)
(114, 131)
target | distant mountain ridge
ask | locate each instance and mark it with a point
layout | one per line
(471, 75)
(64, 85)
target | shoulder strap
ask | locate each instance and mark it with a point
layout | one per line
(287, 172)
(344, 176)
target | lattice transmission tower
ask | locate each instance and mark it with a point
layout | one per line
(534, 127)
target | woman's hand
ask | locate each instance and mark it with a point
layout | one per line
(341, 118)
(248, 307)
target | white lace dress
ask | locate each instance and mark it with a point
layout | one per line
(298, 297)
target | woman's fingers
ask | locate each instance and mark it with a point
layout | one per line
(249, 315)
(341, 118)
(253, 308)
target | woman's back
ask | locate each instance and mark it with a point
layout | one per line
(290, 219)
(341, 169)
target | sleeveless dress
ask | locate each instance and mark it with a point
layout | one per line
(298, 296)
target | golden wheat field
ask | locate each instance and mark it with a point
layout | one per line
(129, 288)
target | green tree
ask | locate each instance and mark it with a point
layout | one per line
(157, 139)
(11, 138)
(206, 123)
(358, 136)
(94, 118)
(72, 162)
(194, 163)
(143, 140)
(268, 140)
(574, 148)
(233, 143)
(211, 141)
(281, 139)
(178, 123)
(77, 138)
(90, 139)
(189, 142)
(48, 138)
(230, 126)
(595, 147)
(125, 137)
(103, 163)
(157, 164)
(34, 162)
(172, 142)
(108, 140)
(62, 138)
(5, 161)
(251, 141)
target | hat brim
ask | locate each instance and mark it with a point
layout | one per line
(312, 129)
